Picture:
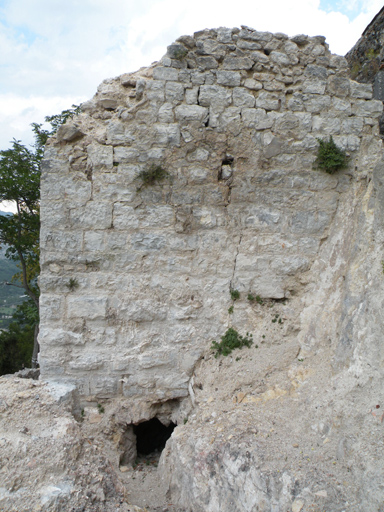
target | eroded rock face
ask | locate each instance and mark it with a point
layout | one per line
(296, 423)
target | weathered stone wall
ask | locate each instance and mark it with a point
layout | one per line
(367, 55)
(136, 280)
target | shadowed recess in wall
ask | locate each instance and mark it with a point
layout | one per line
(152, 436)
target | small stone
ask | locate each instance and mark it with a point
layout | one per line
(322, 494)
(297, 505)
(295, 445)
(124, 469)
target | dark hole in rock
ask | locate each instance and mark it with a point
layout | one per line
(151, 436)
(225, 171)
(228, 160)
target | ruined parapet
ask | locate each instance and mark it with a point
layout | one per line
(136, 276)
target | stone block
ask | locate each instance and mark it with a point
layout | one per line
(290, 265)
(103, 386)
(342, 105)
(310, 222)
(207, 62)
(363, 91)
(316, 103)
(252, 84)
(248, 45)
(316, 72)
(352, 125)
(259, 57)
(186, 114)
(296, 102)
(91, 308)
(198, 78)
(287, 124)
(147, 242)
(155, 90)
(237, 63)
(368, 108)
(146, 116)
(268, 285)
(327, 125)
(339, 86)
(228, 78)
(257, 118)
(51, 308)
(254, 35)
(314, 86)
(107, 103)
(191, 96)
(94, 213)
(54, 214)
(200, 155)
(268, 101)
(166, 114)
(166, 135)
(280, 58)
(174, 91)
(243, 98)
(224, 35)
(116, 133)
(100, 156)
(348, 142)
(124, 217)
(94, 241)
(198, 175)
(230, 115)
(87, 362)
(163, 73)
(378, 86)
(215, 95)
(69, 132)
(61, 337)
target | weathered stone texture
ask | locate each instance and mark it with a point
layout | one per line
(233, 117)
(136, 279)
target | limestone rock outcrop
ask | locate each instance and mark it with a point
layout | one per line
(137, 272)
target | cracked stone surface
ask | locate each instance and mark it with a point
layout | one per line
(233, 116)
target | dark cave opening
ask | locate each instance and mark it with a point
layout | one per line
(151, 436)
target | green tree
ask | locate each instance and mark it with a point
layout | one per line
(16, 343)
(19, 233)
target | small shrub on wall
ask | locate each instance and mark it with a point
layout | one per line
(330, 158)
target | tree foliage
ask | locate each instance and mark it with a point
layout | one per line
(16, 343)
(330, 158)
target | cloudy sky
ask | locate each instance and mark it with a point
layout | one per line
(54, 53)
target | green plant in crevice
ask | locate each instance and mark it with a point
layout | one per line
(250, 297)
(72, 284)
(230, 310)
(235, 294)
(152, 175)
(230, 341)
(100, 408)
(330, 158)
(371, 53)
(179, 52)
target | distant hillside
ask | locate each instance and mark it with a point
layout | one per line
(10, 296)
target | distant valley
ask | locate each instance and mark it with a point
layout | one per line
(10, 296)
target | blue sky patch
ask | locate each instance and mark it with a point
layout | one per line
(351, 8)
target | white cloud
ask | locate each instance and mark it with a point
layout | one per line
(55, 53)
